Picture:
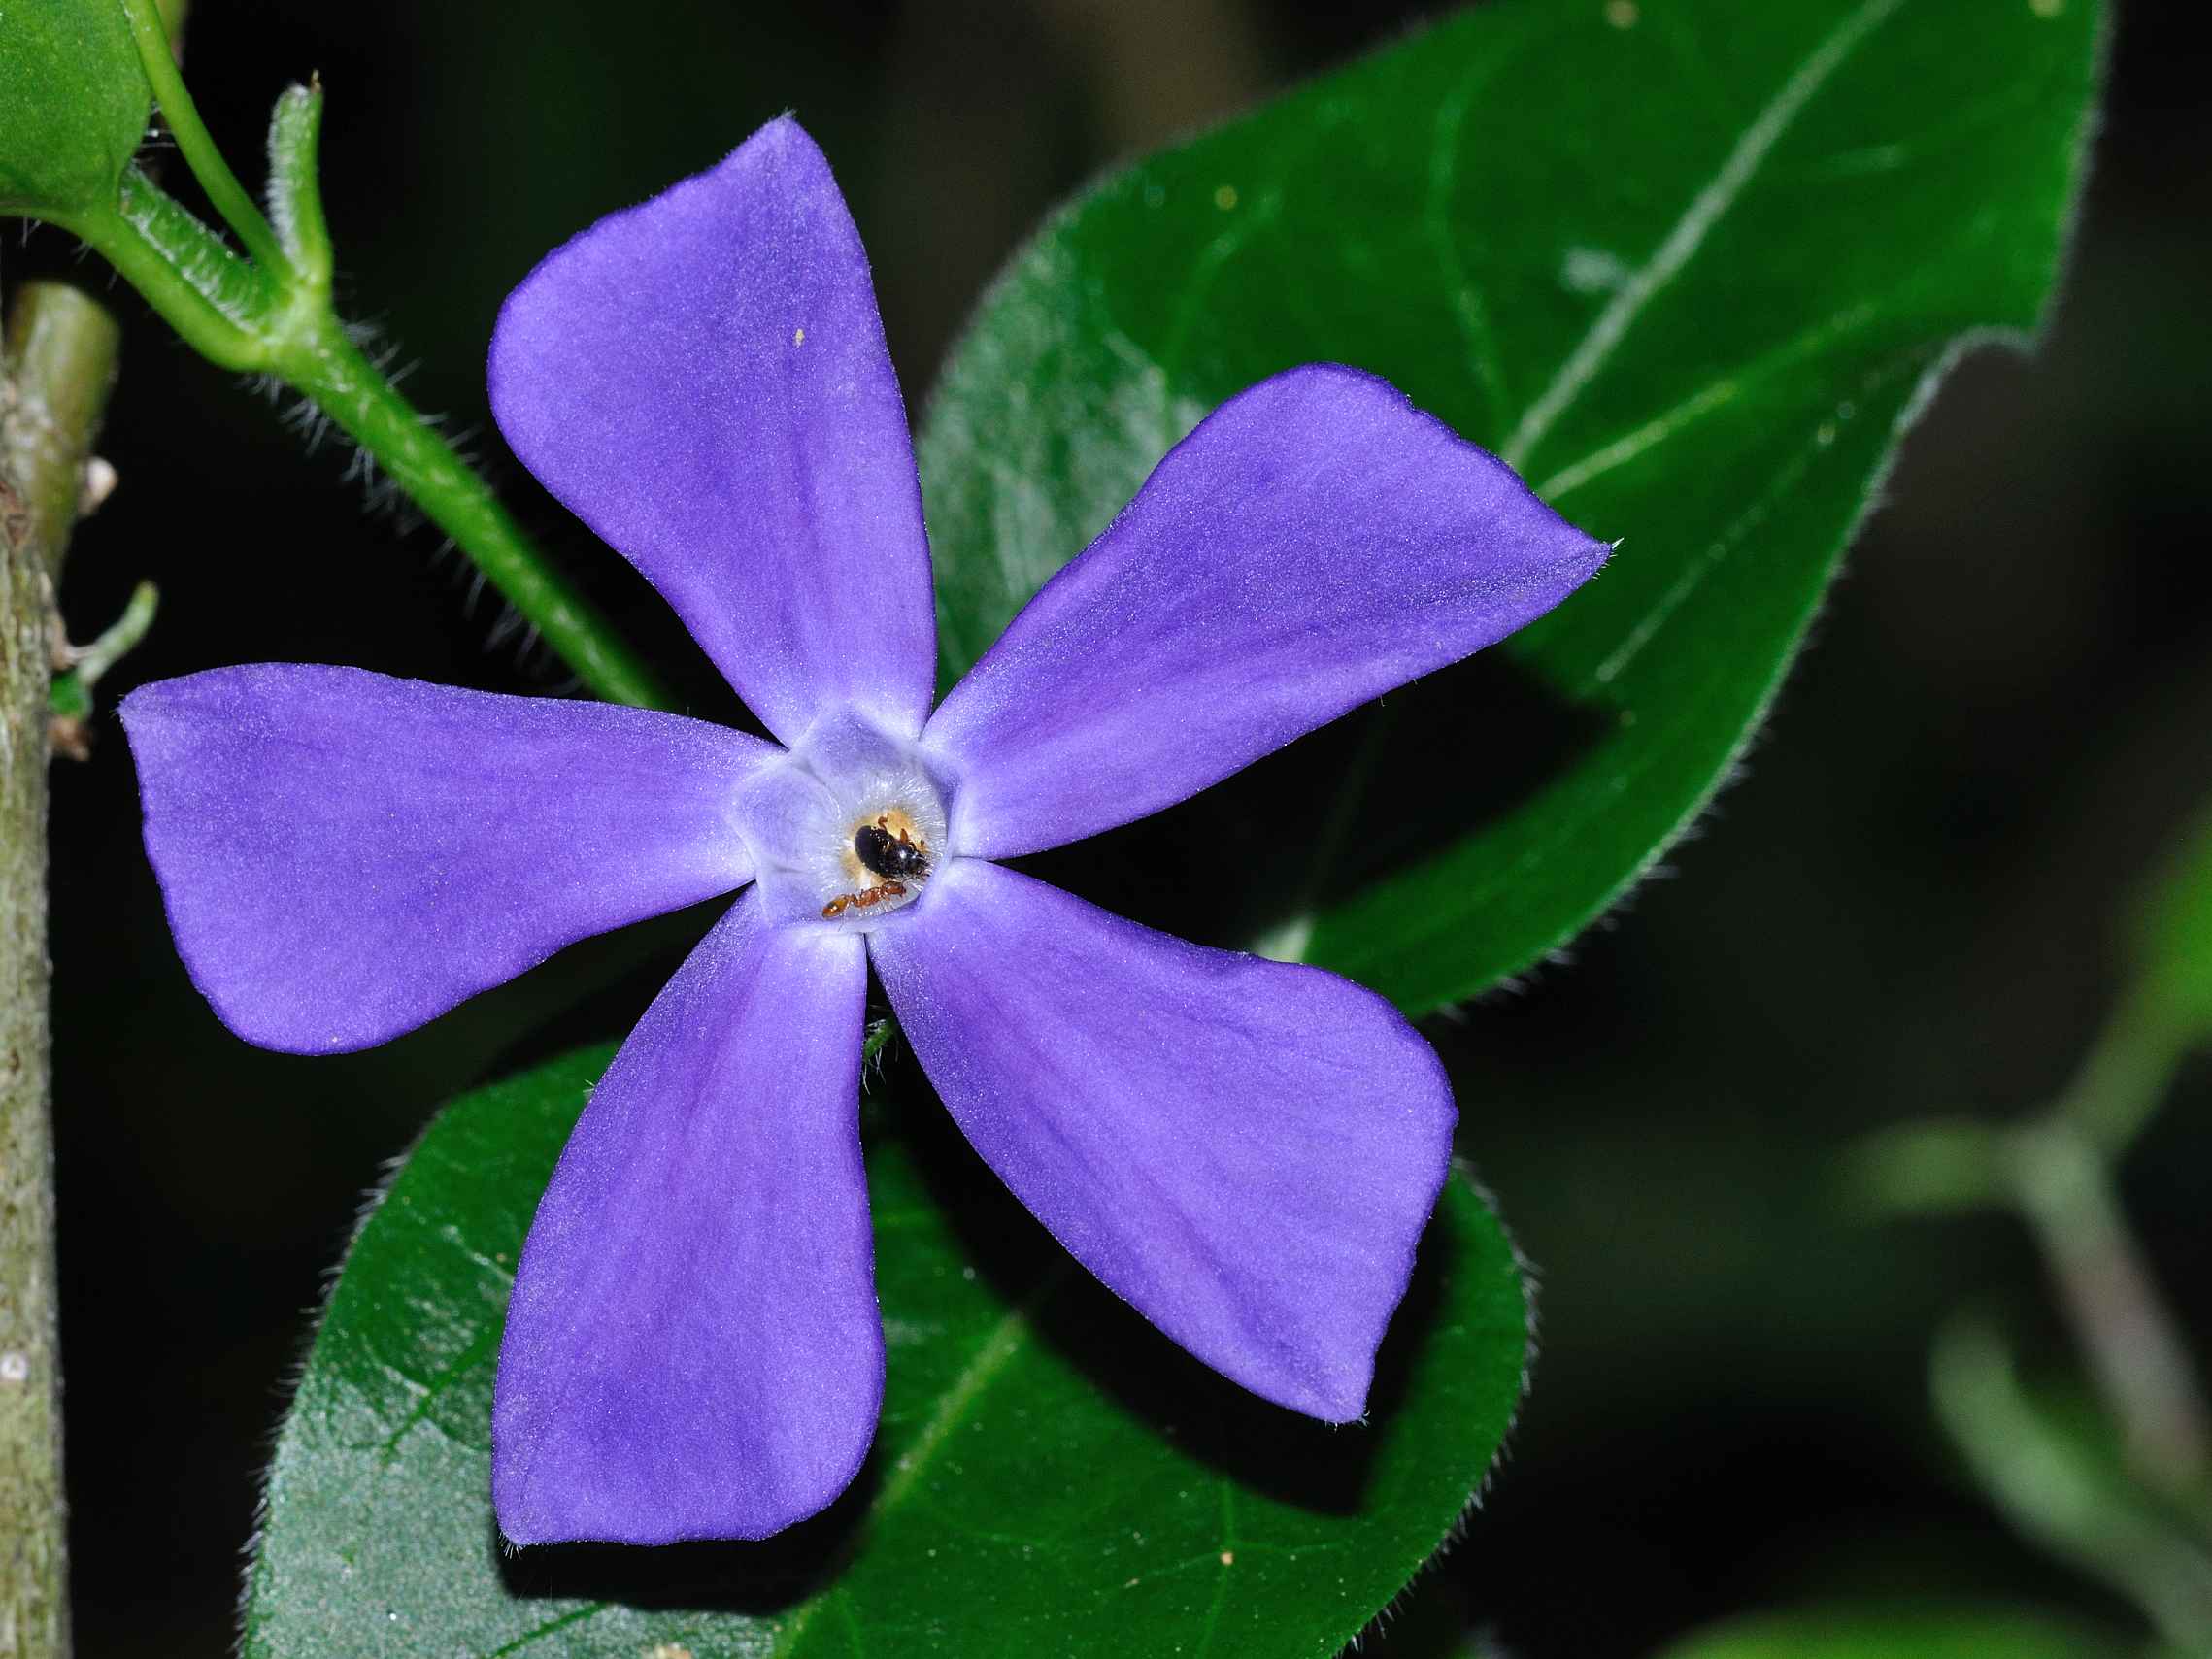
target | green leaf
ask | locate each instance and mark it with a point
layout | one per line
(73, 104)
(1051, 1477)
(1692, 267)
(2173, 938)
(1858, 1633)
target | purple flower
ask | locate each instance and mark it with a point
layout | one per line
(1245, 1150)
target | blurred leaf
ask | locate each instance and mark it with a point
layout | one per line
(2173, 938)
(73, 104)
(1691, 266)
(1051, 1476)
(1858, 1633)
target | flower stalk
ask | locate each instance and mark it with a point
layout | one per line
(270, 313)
(2133, 1343)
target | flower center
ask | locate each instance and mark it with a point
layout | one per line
(890, 850)
(847, 828)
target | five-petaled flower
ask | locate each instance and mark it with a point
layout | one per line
(1245, 1150)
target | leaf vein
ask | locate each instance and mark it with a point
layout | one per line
(1470, 315)
(1723, 389)
(1691, 578)
(1720, 194)
(574, 1615)
(484, 1342)
(1227, 1564)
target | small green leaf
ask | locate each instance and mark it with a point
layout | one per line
(2173, 938)
(1860, 1632)
(73, 104)
(1692, 267)
(1051, 1476)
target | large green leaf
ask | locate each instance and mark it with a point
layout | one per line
(1691, 266)
(1051, 1477)
(1860, 1633)
(73, 104)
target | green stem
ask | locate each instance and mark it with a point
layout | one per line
(211, 297)
(228, 196)
(120, 636)
(232, 313)
(2059, 1178)
(331, 370)
(2135, 1351)
(71, 699)
(2058, 1497)
(61, 350)
(2126, 1075)
(2059, 1173)
(272, 315)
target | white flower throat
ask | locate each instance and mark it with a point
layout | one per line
(844, 829)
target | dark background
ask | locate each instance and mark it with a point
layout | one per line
(1904, 908)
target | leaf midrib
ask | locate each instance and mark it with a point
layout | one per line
(1706, 208)
(1290, 941)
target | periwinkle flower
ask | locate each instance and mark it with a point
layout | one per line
(1247, 1151)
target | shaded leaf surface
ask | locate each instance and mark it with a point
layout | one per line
(1051, 1476)
(73, 103)
(1691, 276)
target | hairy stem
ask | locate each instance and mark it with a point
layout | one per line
(228, 196)
(225, 310)
(270, 314)
(331, 370)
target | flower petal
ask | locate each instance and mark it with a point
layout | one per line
(703, 380)
(345, 855)
(1245, 1150)
(692, 1349)
(1315, 543)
